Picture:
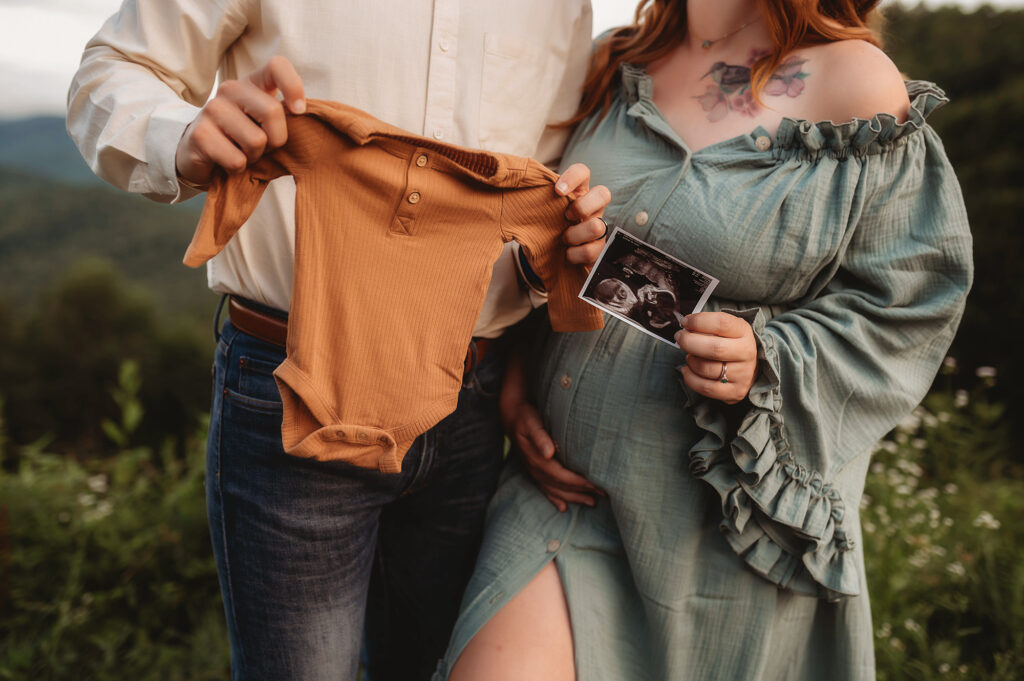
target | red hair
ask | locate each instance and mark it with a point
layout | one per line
(660, 25)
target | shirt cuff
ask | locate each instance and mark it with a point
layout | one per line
(163, 134)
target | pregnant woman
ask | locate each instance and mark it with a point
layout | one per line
(771, 144)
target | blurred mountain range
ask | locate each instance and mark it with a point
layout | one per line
(55, 212)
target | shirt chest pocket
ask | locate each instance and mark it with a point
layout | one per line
(520, 82)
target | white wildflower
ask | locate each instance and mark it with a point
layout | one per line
(919, 443)
(890, 446)
(948, 522)
(877, 468)
(86, 499)
(985, 372)
(951, 488)
(986, 520)
(944, 416)
(911, 625)
(949, 362)
(944, 668)
(904, 489)
(919, 559)
(930, 420)
(102, 510)
(869, 528)
(885, 631)
(97, 483)
(897, 644)
(960, 399)
(910, 423)
(956, 569)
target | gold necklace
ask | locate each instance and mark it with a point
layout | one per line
(708, 43)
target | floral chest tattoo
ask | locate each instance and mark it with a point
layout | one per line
(730, 86)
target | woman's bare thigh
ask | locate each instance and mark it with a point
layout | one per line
(529, 638)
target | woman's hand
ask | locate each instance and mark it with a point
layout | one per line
(585, 238)
(526, 431)
(711, 339)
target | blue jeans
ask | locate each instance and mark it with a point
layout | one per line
(311, 553)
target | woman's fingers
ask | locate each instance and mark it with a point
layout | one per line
(717, 324)
(715, 341)
(574, 182)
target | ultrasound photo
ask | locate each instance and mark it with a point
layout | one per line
(646, 287)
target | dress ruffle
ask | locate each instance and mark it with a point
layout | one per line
(859, 137)
(784, 519)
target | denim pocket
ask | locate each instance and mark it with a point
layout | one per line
(255, 387)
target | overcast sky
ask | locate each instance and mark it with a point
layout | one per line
(41, 42)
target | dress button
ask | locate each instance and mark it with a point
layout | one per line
(414, 197)
(553, 545)
(438, 133)
(421, 160)
(641, 218)
(565, 381)
(763, 143)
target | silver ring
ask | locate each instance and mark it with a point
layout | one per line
(721, 376)
(605, 222)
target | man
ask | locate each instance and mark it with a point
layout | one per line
(297, 541)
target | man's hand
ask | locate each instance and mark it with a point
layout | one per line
(586, 237)
(240, 123)
(529, 439)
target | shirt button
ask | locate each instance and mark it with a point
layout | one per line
(414, 197)
(444, 43)
(421, 160)
(763, 143)
(641, 218)
(438, 133)
(553, 545)
(565, 381)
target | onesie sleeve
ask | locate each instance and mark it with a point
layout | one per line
(231, 199)
(534, 215)
(840, 371)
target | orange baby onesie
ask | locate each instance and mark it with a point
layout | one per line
(395, 237)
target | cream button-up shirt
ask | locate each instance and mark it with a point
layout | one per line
(488, 74)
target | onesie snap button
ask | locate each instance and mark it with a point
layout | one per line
(641, 218)
(421, 160)
(763, 143)
(565, 381)
(414, 197)
(554, 545)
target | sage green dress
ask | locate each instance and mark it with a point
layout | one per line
(728, 548)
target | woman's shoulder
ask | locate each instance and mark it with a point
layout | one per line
(855, 80)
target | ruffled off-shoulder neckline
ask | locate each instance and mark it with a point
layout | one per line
(856, 137)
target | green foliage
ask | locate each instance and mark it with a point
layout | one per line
(107, 567)
(978, 59)
(59, 363)
(944, 544)
(125, 395)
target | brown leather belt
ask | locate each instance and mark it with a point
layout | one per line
(274, 330)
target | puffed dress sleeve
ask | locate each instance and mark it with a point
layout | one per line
(840, 369)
